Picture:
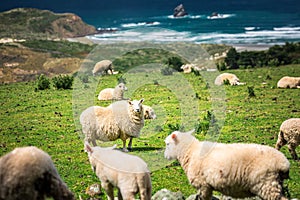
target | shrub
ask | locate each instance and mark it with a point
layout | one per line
(63, 82)
(251, 91)
(42, 83)
(175, 63)
(167, 71)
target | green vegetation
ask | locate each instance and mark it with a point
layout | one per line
(46, 119)
(274, 56)
(60, 49)
(63, 82)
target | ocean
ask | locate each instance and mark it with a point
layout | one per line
(238, 21)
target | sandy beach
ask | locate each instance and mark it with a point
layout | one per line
(238, 47)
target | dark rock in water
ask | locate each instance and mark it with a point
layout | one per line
(179, 11)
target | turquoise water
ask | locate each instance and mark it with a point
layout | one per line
(238, 22)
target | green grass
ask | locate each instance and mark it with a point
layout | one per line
(46, 119)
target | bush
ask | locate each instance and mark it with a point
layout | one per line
(42, 83)
(63, 82)
(175, 63)
(167, 71)
(251, 91)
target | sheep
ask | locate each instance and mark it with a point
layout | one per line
(232, 78)
(113, 93)
(130, 178)
(103, 66)
(148, 112)
(29, 173)
(237, 170)
(289, 134)
(121, 119)
(289, 82)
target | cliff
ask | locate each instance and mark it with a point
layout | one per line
(35, 23)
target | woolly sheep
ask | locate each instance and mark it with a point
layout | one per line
(237, 170)
(130, 178)
(148, 112)
(29, 173)
(289, 82)
(103, 66)
(113, 93)
(121, 119)
(289, 134)
(232, 78)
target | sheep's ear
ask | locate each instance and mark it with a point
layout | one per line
(129, 102)
(191, 131)
(142, 100)
(88, 148)
(173, 136)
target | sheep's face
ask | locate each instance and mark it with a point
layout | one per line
(136, 105)
(171, 146)
(122, 87)
(149, 113)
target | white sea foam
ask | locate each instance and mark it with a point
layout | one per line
(249, 36)
(132, 25)
(287, 28)
(220, 16)
(186, 16)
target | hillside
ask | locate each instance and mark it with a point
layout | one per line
(46, 119)
(34, 23)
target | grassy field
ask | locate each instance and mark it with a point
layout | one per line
(49, 120)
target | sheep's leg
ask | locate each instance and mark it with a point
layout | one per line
(271, 190)
(292, 149)
(205, 193)
(109, 188)
(127, 195)
(119, 195)
(281, 141)
(124, 146)
(130, 143)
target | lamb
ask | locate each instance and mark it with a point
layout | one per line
(103, 66)
(289, 82)
(29, 173)
(237, 170)
(289, 134)
(121, 119)
(149, 112)
(130, 178)
(232, 78)
(116, 93)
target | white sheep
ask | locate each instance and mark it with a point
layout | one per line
(289, 82)
(121, 119)
(102, 67)
(289, 134)
(187, 68)
(29, 173)
(236, 170)
(129, 173)
(148, 112)
(232, 78)
(116, 93)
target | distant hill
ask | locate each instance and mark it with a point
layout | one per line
(34, 23)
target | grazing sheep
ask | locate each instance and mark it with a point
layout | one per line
(187, 68)
(236, 170)
(232, 78)
(289, 134)
(121, 119)
(289, 82)
(113, 93)
(29, 173)
(149, 112)
(103, 66)
(130, 178)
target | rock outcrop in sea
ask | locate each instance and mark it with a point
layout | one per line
(179, 11)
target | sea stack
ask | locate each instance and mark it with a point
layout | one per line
(179, 11)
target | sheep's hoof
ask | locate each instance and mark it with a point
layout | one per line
(125, 150)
